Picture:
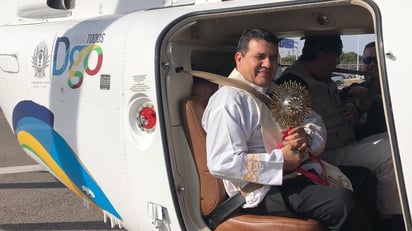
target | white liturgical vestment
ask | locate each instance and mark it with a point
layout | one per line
(238, 150)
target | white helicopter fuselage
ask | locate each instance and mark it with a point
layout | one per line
(68, 80)
(92, 93)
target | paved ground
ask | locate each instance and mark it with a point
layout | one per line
(35, 200)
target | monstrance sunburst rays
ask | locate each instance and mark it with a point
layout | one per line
(290, 104)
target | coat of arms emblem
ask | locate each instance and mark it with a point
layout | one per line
(40, 60)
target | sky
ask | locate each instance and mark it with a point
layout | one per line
(350, 44)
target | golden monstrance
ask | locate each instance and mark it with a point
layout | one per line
(290, 104)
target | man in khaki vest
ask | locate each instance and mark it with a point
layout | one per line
(313, 69)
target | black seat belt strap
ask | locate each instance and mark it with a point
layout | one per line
(224, 210)
(231, 205)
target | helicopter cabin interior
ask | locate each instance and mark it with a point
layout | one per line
(206, 41)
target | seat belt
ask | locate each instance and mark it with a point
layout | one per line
(230, 205)
(225, 209)
(222, 80)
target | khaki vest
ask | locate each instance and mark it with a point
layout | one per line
(325, 101)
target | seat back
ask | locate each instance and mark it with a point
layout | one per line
(212, 191)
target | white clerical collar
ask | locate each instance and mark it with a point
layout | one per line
(237, 75)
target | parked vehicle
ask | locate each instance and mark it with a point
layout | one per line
(338, 79)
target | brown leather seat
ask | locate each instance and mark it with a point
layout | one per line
(212, 191)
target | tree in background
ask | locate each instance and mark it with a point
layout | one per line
(347, 60)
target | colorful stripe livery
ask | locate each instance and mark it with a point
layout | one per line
(33, 126)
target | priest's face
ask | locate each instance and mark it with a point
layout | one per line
(259, 63)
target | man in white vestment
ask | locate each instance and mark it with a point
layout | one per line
(240, 150)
